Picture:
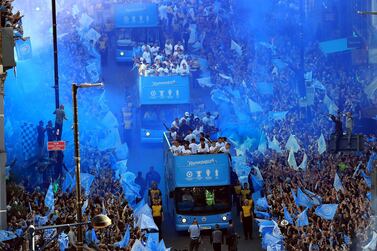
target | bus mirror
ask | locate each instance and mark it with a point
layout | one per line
(171, 194)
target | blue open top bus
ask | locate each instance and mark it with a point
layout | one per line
(199, 186)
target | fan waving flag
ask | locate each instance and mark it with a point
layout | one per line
(302, 219)
(292, 144)
(321, 144)
(124, 242)
(304, 162)
(274, 145)
(288, 216)
(303, 199)
(367, 179)
(49, 199)
(291, 160)
(326, 211)
(371, 160)
(337, 183)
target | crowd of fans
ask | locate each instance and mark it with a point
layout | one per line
(170, 60)
(208, 25)
(106, 196)
(193, 135)
(10, 19)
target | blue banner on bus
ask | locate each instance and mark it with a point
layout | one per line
(136, 15)
(202, 170)
(160, 90)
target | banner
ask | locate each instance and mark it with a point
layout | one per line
(160, 90)
(199, 170)
(136, 15)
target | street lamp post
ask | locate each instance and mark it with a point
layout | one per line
(75, 88)
(98, 222)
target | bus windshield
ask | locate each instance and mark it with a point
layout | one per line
(203, 200)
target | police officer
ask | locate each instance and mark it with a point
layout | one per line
(247, 219)
(157, 214)
(217, 238)
(154, 193)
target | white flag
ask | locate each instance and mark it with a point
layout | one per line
(292, 144)
(291, 160)
(304, 162)
(321, 144)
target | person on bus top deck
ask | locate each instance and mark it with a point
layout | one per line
(154, 193)
(175, 123)
(176, 148)
(225, 149)
(213, 148)
(193, 146)
(186, 150)
(173, 133)
(247, 219)
(183, 129)
(220, 142)
(245, 192)
(190, 136)
(157, 213)
(203, 148)
(185, 117)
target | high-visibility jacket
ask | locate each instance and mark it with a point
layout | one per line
(246, 211)
(156, 210)
(237, 190)
(245, 193)
(210, 198)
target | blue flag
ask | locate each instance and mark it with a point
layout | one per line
(337, 183)
(257, 183)
(326, 211)
(314, 198)
(23, 49)
(68, 182)
(256, 196)
(7, 235)
(367, 179)
(294, 196)
(262, 215)
(86, 182)
(63, 241)
(152, 241)
(84, 206)
(270, 240)
(138, 246)
(303, 200)
(262, 204)
(288, 216)
(49, 199)
(124, 242)
(302, 219)
(161, 246)
(371, 160)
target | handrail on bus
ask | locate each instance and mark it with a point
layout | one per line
(167, 139)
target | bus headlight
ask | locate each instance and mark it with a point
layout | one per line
(184, 220)
(224, 218)
(121, 53)
(148, 134)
